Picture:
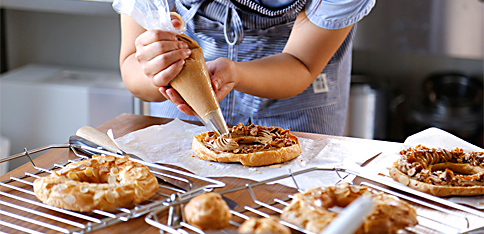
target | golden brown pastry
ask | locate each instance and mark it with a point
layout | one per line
(309, 209)
(252, 145)
(440, 172)
(270, 225)
(208, 211)
(102, 182)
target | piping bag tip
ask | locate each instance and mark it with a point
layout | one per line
(216, 122)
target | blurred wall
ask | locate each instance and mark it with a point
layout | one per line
(401, 43)
(53, 36)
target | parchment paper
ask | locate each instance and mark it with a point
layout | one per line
(433, 138)
(172, 144)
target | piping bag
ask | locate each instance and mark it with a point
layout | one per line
(193, 82)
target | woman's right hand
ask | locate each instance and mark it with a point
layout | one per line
(161, 56)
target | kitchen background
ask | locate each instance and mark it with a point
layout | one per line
(416, 64)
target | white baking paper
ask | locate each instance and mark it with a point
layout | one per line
(432, 138)
(172, 144)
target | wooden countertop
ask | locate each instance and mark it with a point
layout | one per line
(122, 125)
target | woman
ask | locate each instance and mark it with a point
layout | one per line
(280, 63)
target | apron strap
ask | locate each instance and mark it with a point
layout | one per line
(233, 28)
(188, 15)
(233, 32)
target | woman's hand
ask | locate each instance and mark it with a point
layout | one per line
(223, 77)
(161, 55)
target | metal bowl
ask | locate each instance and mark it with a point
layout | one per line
(453, 91)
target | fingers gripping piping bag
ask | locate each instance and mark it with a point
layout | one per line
(193, 82)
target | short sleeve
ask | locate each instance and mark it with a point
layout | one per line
(336, 14)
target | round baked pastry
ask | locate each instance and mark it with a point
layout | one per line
(208, 211)
(309, 209)
(102, 182)
(270, 225)
(440, 172)
(252, 145)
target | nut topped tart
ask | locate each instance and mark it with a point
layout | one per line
(252, 145)
(103, 182)
(440, 172)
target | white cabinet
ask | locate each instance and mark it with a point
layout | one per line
(43, 105)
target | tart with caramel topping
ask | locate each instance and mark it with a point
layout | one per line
(252, 145)
(440, 172)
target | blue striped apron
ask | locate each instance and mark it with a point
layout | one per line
(244, 30)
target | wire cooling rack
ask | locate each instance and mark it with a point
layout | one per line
(435, 215)
(22, 212)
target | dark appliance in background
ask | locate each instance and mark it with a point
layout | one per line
(450, 101)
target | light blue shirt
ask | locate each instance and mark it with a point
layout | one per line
(336, 14)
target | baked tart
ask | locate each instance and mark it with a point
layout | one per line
(440, 172)
(252, 145)
(101, 182)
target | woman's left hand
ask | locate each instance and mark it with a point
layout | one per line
(223, 75)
